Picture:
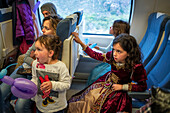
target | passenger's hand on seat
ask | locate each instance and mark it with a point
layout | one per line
(77, 39)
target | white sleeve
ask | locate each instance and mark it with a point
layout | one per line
(106, 49)
(27, 58)
(64, 80)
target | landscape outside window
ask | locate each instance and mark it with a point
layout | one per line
(99, 15)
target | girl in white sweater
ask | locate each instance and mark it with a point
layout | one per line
(50, 75)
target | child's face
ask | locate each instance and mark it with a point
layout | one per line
(47, 28)
(41, 53)
(113, 31)
(119, 54)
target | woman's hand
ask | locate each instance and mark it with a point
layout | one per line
(117, 87)
(46, 86)
(32, 55)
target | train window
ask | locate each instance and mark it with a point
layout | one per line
(98, 14)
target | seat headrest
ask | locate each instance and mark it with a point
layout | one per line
(157, 21)
(158, 14)
(66, 26)
(80, 16)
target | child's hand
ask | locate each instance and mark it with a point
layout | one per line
(96, 47)
(77, 39)
(46, 86)
(117, 87)
(89, 44)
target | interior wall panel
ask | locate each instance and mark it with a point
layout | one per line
(142, 9)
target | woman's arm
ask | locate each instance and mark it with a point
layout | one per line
(29, 55)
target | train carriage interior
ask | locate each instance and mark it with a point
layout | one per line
(149, 22)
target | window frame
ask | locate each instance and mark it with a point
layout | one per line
(130, 17)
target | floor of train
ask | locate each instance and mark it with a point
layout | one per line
(78, 85)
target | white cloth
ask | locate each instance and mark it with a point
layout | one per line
(59, 76)
(108, 48)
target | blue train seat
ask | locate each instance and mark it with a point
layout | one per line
(80, 16)
(158, 70)
(70, 49)
(64, 29)
(159, 66)
(79, 23)
(152, 37)
(66, 26)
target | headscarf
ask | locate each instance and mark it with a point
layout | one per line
(51, 8)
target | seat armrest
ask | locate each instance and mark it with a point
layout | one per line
(140, 95)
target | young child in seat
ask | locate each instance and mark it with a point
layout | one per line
(118, 27)
(108, 94)
(50, 75)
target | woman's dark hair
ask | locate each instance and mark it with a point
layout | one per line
(129, 44)
(51, 42)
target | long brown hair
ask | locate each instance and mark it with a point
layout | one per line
(120, 26)
(129, 44)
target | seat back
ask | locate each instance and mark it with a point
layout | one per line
(70, 49)
(66, 26)
(70, 55)
(80, 16)
(79, 23)
(152, 37)
(158, 68)
(64, 29)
